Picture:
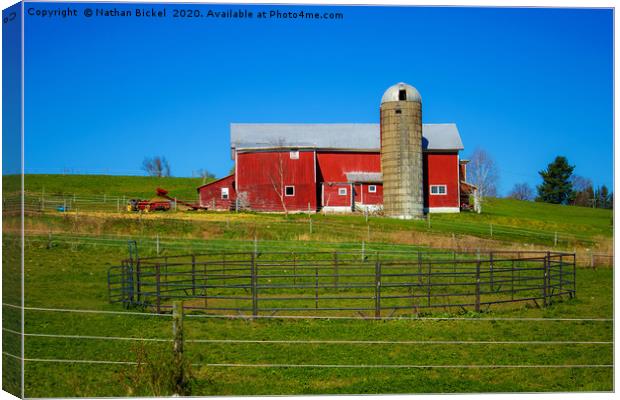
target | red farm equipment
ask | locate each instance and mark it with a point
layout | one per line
(147, 205)
(163, 202)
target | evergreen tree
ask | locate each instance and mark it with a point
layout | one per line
(556, 187)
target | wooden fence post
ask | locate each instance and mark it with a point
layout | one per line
(377, 289)
(177, 333)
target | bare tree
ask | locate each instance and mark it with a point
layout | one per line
(483, 173)
(156, 166)
(521, 191)
(205, 175)
(276, 175)
(583, 191)
(277, 181)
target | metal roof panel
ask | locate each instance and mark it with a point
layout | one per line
(334, 136)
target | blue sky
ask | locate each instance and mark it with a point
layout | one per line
(523, 84)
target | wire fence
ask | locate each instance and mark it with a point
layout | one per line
(339, 283)
(37, 202)
(76, 340)
(164, 245)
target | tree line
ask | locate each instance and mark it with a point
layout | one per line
(561, 186)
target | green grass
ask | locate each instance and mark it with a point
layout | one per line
(112, 185)
(502, 220)
(72, 274)
(68, 276)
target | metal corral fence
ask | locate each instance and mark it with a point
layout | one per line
(341, 283)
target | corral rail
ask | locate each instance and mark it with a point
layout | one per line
(342, 283)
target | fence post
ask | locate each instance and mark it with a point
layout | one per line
(336, 272)
(428, 284)
(419, 268)
(316, 287)
(177, 333)
(555, 239)
(561, 272)
(138, 280)
(255, 246)
(253, 285)
(193, 275)
(158, 289)
(294, 269)
(377, 289)
(545, 273)
(309, 218)
(491, 270)
(363, 251)
(574, 275)
(478, 286)
(157, 243)
(512, 281)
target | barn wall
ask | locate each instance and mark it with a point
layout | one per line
(332, 166)
(331, 198)
(441, 169)
(365, 197)
(258, 171)
(211, 194)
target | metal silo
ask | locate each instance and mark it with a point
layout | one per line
(401, 152)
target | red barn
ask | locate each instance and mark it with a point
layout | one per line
(330, 167)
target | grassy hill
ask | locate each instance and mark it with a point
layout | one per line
(503, 220)
(112, 185)
(67, 256)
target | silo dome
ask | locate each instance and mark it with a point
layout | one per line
(401, 92)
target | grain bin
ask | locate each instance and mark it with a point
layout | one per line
(401, 152)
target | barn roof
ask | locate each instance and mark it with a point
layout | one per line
(370, 177)
(363, 137)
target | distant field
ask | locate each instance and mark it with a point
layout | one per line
(130, 186)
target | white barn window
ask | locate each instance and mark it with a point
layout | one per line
(342, 191)
(224, 193)
(294, 155)
(372, 188)
(289, 191)
(438, 190)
